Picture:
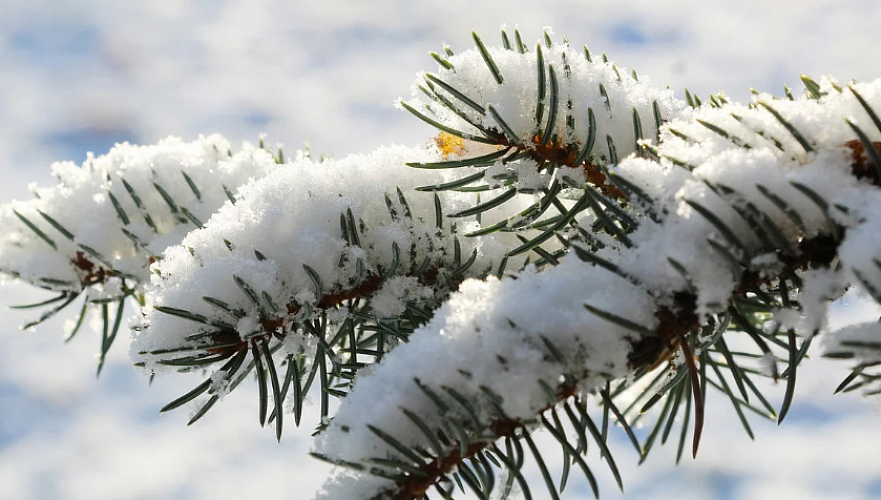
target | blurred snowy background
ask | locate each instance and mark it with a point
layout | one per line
(78, 76)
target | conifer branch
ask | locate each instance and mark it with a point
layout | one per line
(570, 232)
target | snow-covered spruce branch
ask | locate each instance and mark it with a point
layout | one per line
(276, 281)
(762, 208)
(657, 230)
(320, 268)
(514, 125)
(95, 233)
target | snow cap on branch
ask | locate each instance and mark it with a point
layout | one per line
(547, 96)
(113, 215)
(498, 337)
(755, 180)
(725, 208)
(306, 238)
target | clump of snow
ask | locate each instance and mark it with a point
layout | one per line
(108, 219)
(610, 91)
(524, 174)
(768, 364)
(305, 238)
(247, 327)
(491, 336)
(860, 343)
(391, 299)
(594, 103)
(759, 194)
(220, 383)
(821, 287)
(733, 190)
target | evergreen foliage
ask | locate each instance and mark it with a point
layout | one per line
(572, 233)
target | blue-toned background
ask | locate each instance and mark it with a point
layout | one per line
(78, 76)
